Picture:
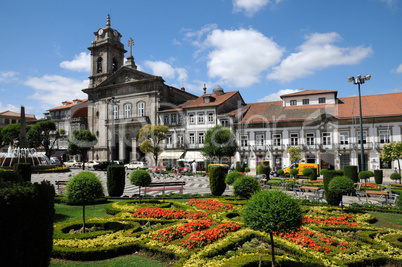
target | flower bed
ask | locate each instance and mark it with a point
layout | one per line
(146, 212)
(210, 204)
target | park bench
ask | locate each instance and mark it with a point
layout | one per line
(184, 169)
(157, 169)
(164, 186)
(61, 185)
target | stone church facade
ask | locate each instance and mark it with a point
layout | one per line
(122, 99)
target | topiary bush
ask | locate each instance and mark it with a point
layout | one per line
(232, 176)
(313, 175)
(365, 175)
(294, 172)
(378, 176)
(84, 188)
(26, 221)
(115, 180)
(280, 172)
(10, 176)
(323, 171)
(307, 172)
(264, 168)
(395, 176)
(351, 172)
(140, 178)
(239, 166)
(217, 175)
(246, 186)
(339, 186)
(24, 170)
(273, 211)
(247, 170)
(332, 199)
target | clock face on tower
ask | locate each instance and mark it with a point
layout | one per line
(100, 32)
(115, 33)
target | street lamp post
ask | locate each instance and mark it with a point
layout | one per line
(360, 80)
(112, 101)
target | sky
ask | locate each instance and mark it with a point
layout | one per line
(262, 48)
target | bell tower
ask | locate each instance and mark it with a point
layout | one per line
(107, 54)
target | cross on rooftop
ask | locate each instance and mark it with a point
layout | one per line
(130, 44)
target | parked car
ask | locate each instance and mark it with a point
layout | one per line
(72, 163)
(116, 162)
(91, 163)
(136, 165)
(55, 161)
(101, 166)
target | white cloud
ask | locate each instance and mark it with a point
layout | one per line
(317, 52)
(250, 7)
(161, 68)
(51, 90)
(182, 74)
(399, 69)
(277, 96)
(239, 56)
(81, 62)
(8, 76)
(9, 107)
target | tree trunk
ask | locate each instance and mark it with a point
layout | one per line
(83, 217)
(139, 194)
(272, 249)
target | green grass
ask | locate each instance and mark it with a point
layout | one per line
(131, 260)
(388, 220)
(66, 212)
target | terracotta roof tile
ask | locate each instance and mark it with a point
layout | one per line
(69, 104)
(9, 113)
(219, 99)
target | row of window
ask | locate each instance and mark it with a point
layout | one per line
(384, 137)
(191, 138)
(127, 108)
(8, 121)
(306, 101)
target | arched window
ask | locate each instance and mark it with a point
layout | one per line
(127, 110)
(114, 65)
(99, 65)
(141, 109)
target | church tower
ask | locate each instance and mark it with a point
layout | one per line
(107, 54)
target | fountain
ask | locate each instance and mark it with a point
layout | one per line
(23, 155)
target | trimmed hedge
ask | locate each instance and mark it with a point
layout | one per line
(332, 199)
(264, 168)
(115, 180)
(24, 170)
(26, 223)
(351, 172)
(239, 166)
(246, 186)
(10, 176)
(217, 174)
(378, 176)
(232, 176)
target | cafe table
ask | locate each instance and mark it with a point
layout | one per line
(309, 188)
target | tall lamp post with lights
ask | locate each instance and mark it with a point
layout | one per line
(360, 80)
(113, 102)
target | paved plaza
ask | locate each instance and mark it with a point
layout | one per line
(194, 184)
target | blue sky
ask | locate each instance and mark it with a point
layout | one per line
(263, 48)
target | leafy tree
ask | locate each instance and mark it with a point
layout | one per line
(219, 142)
(84, 188)
(80, 142)
(391, 152)
(11, 133)
(43, 134)
(246, 186)
(396, 176)
(150, 138)
(273, 211)
(294, 153)
(140, 178)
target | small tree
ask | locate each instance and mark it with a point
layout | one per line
(294, 172)
(365, 175)
(396, 176)
(84, 188)
(140, 178)
(391, 152)
(150, 138)
(247, 170)
(294, 153)
(80, 142)
(217, 174)
(11, 133)
(43, 134)
(273, 211)
(246, 186)
(219, 142)
(264, 168)
(341, 185)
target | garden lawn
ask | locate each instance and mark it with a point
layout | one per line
(65, 212)
(388, 220)
(131, 260)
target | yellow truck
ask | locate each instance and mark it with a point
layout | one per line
(301, 167)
